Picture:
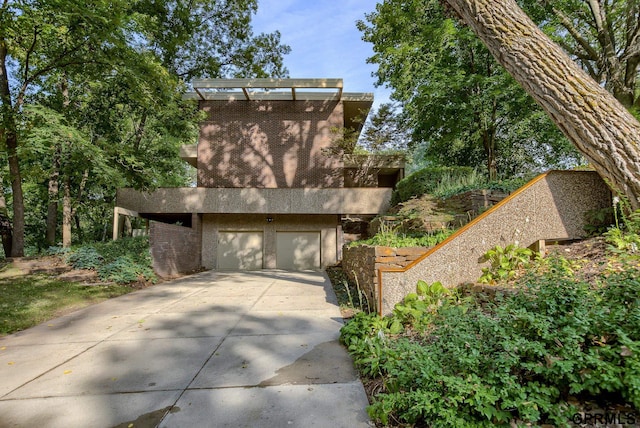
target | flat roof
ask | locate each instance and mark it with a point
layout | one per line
(263, 89)
(356, 104)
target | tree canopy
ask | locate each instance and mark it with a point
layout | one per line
(595, 122)
(463, 107)
(603, 37)
(91, 99)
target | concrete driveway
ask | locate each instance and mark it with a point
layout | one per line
(236, 349)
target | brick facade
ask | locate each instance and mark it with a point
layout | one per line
(269, 144)
(174, 249)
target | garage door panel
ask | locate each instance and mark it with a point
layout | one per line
(240, 250)
(298, 250)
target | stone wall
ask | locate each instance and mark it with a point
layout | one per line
(361, 263)
(175, 249)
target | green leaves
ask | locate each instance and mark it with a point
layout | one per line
(513, 362)
(93, 92)
(504, 263)
(123, 261)
(463, 108)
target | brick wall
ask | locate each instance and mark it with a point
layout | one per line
(175, 249)
(269, 144)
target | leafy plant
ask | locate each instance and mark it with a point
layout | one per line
(504, 263)
(392, 237)
(598, 220)
(426, 180)
(123, 261)
(124, 270)
(365, 336)
(85, 258)
(417, 309)
(513, 362)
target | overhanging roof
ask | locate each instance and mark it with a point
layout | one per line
(356, 104)
(273, 89)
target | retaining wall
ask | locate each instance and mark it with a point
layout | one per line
(551, 206)
(361, 263)
(175, 249)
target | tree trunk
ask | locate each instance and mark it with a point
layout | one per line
(11, 140)
(52, 210)
(591, 118)
(66, 213)
(489, 144)
(5, 224)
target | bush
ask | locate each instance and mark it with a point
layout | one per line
(123, 261)
(391, 238)
(426, 180)
(85, 258)
(515, 362)
(137, 248)
(124, 270)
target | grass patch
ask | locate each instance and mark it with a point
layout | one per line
(29, 300)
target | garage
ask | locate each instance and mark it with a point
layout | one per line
(298, 250)
(240, 250)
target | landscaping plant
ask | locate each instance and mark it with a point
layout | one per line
(123, 261)
(504, 263)
(526, 359)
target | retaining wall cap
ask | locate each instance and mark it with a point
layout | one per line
(411, 251)
(385, 251)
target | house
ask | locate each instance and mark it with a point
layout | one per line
(272, 190)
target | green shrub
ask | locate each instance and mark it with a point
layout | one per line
(137, 248)
(392, 238)
(123, 261)
(57, 251)
(426, 180)
(516, 362)
(504, 263)
(124, 270)
(85, 258)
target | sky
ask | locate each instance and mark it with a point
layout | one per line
(324, 40)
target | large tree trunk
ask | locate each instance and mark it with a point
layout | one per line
(11, 140)
(593, 120)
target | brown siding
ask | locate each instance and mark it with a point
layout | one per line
(269, 144)
(174, 249)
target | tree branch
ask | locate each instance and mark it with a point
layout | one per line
(566, 23)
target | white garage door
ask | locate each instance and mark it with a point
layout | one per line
(298, 250)
(240, 250)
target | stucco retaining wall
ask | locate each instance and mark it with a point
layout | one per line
(174, 249)
(551, 206)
